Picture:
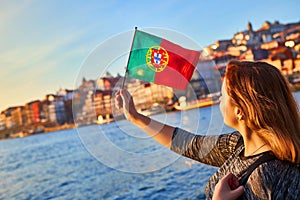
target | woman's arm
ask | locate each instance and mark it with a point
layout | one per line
(162, 133)
(211, 150)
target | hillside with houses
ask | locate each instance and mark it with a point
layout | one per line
(92, 102)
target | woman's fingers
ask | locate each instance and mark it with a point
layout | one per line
(228, 188)
(237, 192)
(232, 180)
(118, 100)
(124, 100)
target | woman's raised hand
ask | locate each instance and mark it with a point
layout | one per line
(161, 132)
(124, 100)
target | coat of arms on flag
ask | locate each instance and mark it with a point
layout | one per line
(157, 58)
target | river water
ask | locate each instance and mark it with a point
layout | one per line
(110, 161)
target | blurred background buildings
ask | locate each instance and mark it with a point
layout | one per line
(92, 102)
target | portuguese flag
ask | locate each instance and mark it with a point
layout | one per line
(154, 59)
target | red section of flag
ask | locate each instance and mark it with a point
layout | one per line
(172, 78)
(181, 66)
(190, 56)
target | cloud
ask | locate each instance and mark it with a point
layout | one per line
(9, 10)
(32, 70)
(37, 55)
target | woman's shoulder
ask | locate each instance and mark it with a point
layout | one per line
(277, 172)
(277, 168)
(276, 179)
(230, 141)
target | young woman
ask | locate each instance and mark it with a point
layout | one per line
(257, 102)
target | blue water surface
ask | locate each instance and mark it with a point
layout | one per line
(59, 166)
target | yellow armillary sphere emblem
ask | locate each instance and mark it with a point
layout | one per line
(157, 58)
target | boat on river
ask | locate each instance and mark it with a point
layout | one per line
(199, 103)
(155, 109)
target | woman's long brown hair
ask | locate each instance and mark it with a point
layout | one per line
(268, 105)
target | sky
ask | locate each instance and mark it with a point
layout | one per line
(43, 44)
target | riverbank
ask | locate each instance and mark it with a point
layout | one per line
(19, 132)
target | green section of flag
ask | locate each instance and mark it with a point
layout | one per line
(137, 67)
